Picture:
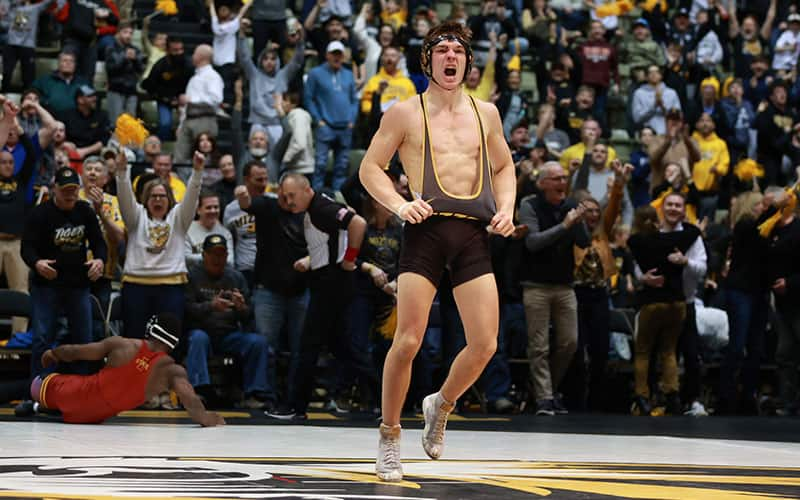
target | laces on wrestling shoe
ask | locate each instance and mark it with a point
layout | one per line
(435, 411)
(388, 466)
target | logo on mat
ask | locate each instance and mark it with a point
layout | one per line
(309, 478)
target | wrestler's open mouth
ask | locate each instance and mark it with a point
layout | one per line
(450, 71)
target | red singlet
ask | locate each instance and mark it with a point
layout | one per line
(90, 399)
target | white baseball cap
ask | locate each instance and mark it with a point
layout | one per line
(334, 46)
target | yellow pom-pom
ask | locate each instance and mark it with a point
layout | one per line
(168, 7)
(766, 228)
(130, 131)
(748, 169)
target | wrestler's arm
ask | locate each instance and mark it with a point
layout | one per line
(387, 139)
(504, 180)
(81, 352)
(178, 381)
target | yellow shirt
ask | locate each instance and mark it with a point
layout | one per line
(396, 19)
(177, 186)
(484, 89)
(713, 153)
(577, 151)
(110, 209)
(399, 88)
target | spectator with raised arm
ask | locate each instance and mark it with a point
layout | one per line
(155, 266)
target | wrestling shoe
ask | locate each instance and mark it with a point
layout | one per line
(435, 411)
(387, 465)
(26, 408)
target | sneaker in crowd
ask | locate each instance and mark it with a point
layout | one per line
(286, 413)
(696, 410)
(558, 405)
(545, 407)
(26, 408)
(338, 405)
(153, 403)
(255, 403)
(169, 401)
(387, 465)
(641, 407)
(435, 410)
(502, 406)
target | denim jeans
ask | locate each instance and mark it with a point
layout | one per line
(339, 140)
(47, 304)
(140, 302)
(164, 122)
(250, 348)
(366, 303)
(495, 380)
(747, 314)
(272, 311)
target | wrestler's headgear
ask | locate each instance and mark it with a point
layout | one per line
(165, 328)
(429, 44)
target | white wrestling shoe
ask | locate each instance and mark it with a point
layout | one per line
(435, 411)
(387, 466)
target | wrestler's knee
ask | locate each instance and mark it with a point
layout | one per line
(484, 349)
(406, 346)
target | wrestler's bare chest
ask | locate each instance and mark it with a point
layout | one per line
(455, 145)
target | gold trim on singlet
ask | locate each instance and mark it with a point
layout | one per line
(43, 390)
(428, 136)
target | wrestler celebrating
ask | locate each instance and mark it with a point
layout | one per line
(463, 182)
(135, 371)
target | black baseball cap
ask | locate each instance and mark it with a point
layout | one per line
(683, 11)
(85, 90)
(65, 176)
(215, 241)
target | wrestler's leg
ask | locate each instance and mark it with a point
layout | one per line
(478, 306)
(415, 294)
(479, 309)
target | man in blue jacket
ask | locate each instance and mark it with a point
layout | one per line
(331, 99)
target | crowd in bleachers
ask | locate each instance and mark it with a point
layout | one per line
(657, 148)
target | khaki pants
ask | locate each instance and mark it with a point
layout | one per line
(660, 325)
(548, 366)
(12, 265)
(188, 131)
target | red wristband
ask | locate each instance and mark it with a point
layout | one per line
(351, 254)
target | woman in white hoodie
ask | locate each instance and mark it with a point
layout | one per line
(155, 267)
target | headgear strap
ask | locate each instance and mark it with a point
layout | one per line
(156, 331)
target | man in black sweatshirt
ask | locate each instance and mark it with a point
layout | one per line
(555, 226)
(13, 212)
(54, 245)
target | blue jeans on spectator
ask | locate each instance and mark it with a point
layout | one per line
(272, 311)
(495, 380)
(339, 140)
(47, 304)
(747, 314)
(360, 320)
(164, 122)
(251, 349)
(140, 302)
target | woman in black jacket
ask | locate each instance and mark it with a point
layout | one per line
(746, 294)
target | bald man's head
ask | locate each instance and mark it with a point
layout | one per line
(202, 55)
